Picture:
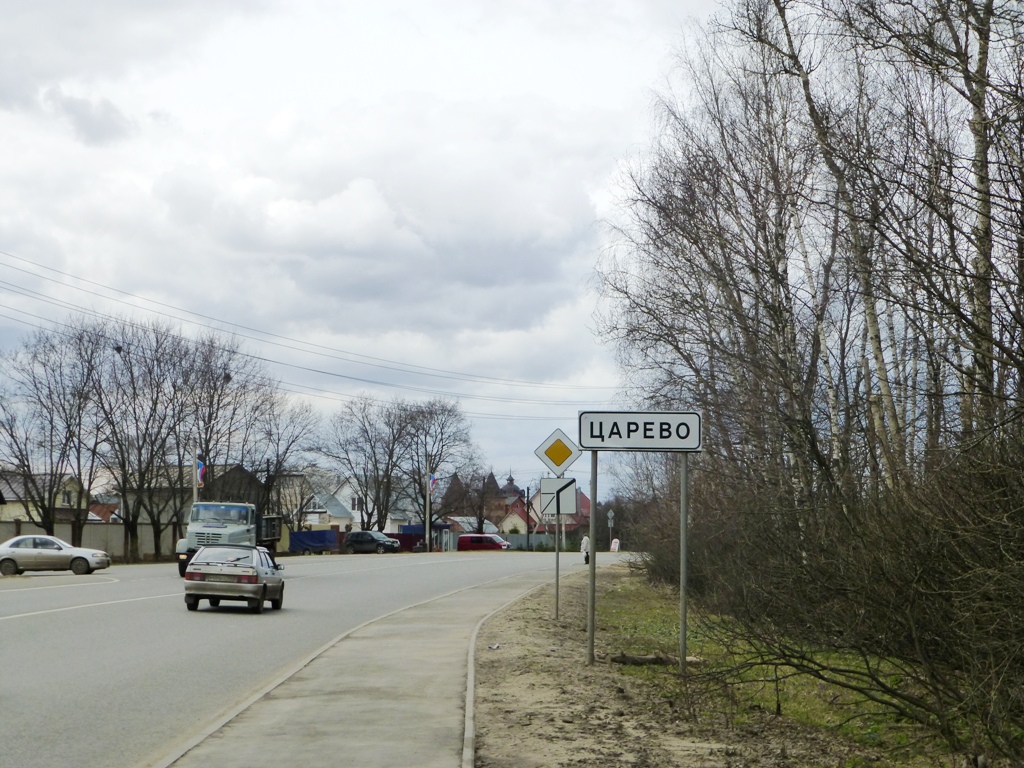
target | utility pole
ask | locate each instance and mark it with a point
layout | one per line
(426, 518)
(528, 518)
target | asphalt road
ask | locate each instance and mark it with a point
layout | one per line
(110, 669)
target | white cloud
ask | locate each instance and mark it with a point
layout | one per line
(356, 219)
(94, 122)
(419, 182)
(46, 42)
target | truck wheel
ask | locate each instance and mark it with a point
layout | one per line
(182, 567)
(192, 603)
(307, 552)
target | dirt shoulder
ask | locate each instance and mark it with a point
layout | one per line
(539, 705)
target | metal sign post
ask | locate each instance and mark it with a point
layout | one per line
(674, 431)
(592, 591)
(558, 453)
(555, 487)
(558, 552)
(683, 525)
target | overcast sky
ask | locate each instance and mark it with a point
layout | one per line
(366, 189)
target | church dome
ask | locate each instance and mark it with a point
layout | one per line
(510, 488)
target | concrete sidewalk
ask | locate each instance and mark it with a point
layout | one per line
(394, 692)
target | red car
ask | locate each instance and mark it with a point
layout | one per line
(471, 541)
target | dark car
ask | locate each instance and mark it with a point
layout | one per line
(370, 541)
(234, 572)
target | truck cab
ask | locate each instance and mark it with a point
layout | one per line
(226, 522)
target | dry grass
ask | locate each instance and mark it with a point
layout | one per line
(540, 704)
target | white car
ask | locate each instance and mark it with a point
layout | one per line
(48, 553)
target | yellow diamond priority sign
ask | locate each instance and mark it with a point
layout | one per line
(558, 452)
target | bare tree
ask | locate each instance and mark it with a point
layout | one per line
(370, 441)
(142, 402)
(228, 394)
(49, 433)
(971, 49)
(439, 443)
(824, 256)
(286, 431)
(471, 493)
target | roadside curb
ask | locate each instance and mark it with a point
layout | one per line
(222, 722)
(469, 740)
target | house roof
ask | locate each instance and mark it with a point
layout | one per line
(12, 485)
(330, 503)
(182, 475)
(469, 524)
(518, 511)
(103, 512)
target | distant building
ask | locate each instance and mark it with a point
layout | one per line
(18, 502)
(503, 507)
(325, 508)
(468, 525)
(513, 515)
(341, 500)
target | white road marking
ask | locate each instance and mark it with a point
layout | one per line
(88, 605)
(17, 590)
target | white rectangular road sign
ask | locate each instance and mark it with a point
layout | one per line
(639, 431)
(557, 493)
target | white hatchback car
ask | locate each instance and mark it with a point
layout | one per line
(48, 553)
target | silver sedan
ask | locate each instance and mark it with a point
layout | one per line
(48, 553)
(234, 572)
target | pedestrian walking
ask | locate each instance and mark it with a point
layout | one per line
(585, 549)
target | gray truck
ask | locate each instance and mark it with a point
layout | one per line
(226, 522)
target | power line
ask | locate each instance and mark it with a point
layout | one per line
(343, 398)
(269, 361)
(329, 352)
